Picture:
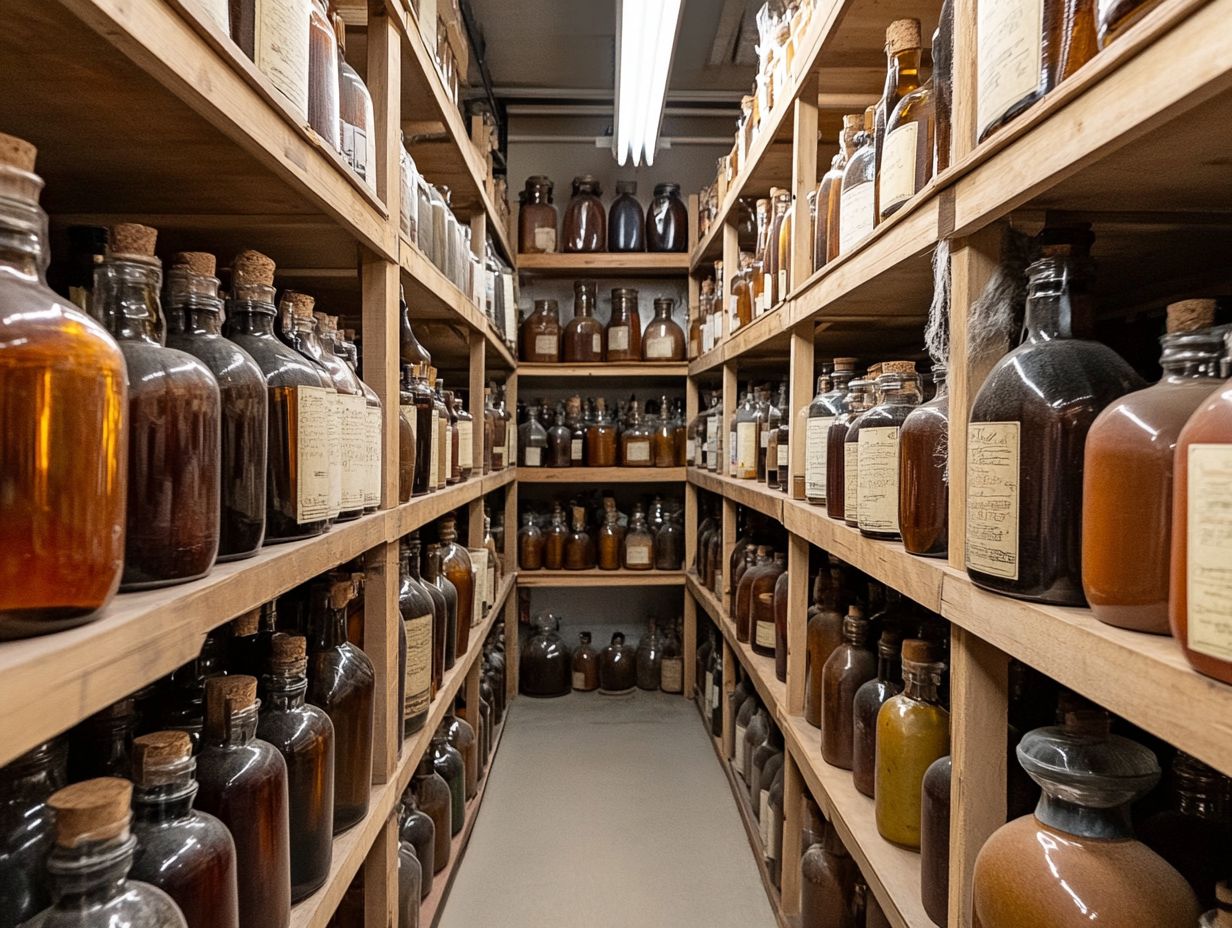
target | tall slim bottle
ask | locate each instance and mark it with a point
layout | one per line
(457, 567)
(416, 609)
(351, 407)
(858, 200)
(924, 474)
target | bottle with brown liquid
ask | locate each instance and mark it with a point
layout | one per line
(669, 542)
(433, 798)
(531, 544)
(243, 781)
(1113, 17)
(824, 634)
(663, 339)
(579, 549)
(585, 665)
(554, 538)
(458, 569)
(636, 441)
(626, 227)
(624, 327)
(62, 515)
(858, 200)
(617, 667)
(869, 699)
(610, 543)
(537, 217)
(903, 52)
(175, 421)
(908, 141)
(847, 669)
(532, 441)
(761, 621)
(842, 493)
(435, 577)
(341, 681)
(827, 883)
(304, 736)
(545, 668)
(828, 404)
(923, 474)
(638, 543)
(584, 228)
(541, 333)
(756, 558)
(582, 340)
(877, 435)
(417, 611)
(601, 444)
(420, 411)
(440, 614)
(830, 190)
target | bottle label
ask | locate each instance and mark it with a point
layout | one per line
(877, 482)
(311, 443)
(334, 405)
(354, 426)
(774, 832)
(1208, 569)
(637, 451)
(763, 634)
(763, 817)
(746, 449)
(659, 348)
(418, 664)
(1009, 56)
(690, 452)
(715, 694)
(546, 344)
(851, 488)
(898, 160)
(856, 220)
(637, 555)
(579, 680)
(782, 455)
(534, 457)
(782, 291)
(511, 303)
(372, 487)
(618, 338)
(816, 449)
(763, 437)
(671, 679)
(575, 450)
(738, 759)
(280, 48)
(706, 690)
(483, 593)
(444, 449)
(993, 498)
(767, 290)
(466, 443)
(545, 239)
(596, 343)
(434, 455)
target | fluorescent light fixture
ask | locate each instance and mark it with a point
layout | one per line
(645, 42)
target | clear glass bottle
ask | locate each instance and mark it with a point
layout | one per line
(923, 474)
(858, 199)
(868, 702)
(850, 666)
(541, 333)
(903, 52)
(839, 490)
(416, 608)
(63, 515)
(89, 864)
(174, 419)
(639, 546)
(586, 661)
(184, 852)
(663, 339)
(545, 667)
(909, 143)
(617, 667)
(582, 340)
(537, 217)
(626, 227)
(458, 569)
(304, 735)
(636, 441)
(532, 441)
(1129, 455)
(624, 327)
(1033, 411)
(877, 433)
(667, 220)
(342, 681)
(356, 117)
(452, 769)
(27, 827)
(434, 799)
(669, 542)
(323, 82)
(584, 228)
(243, 781)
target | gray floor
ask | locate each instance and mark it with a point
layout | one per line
(607, 812)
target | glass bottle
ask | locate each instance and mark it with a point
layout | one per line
(850, 666)
(410, 879)
(829, 199)
(434, 799)
(421, 411)
(839, 490)
(779, 248)
(304, 735)
(546, 667)
(639, 546)
(743, 298)
(923, 474)
(1113, 17)
(488, 434)
(1080, 843)
(858, 199)
(868, 702)
(541, 333)
(345, 346)
(636, 441)
(323, 82)
(441, 641)
(774, 421)
(101, 745)
(828, 404)
(435, 576)
(902, 49)
(351, 410)
(186, 853)
(461, 734)
(761, 623)
(174, 416)
(1033, 411)
(584, 228)
(577, 431)
(243, 781)
(1129, 456)
(624, 327)
(194, 326)
(667, 220)
(754, 737)
(742, 717)
(62, 514)
(766, 760)
(27, 827)
(744, 443)
(617, 667)
(452, 769)
(505, 437)
(913, 730)
(935, 840)
(671, 669)
(827, 884)
(457, 567)
(298, 328)
(532, 441)
(357, 120)
(626, 228)
(560, 441)
(610, 543)
(757, 559)
(341, 680)
(907, 152)
(669, 543)
(582, 340)
(417, 611)
(531, 544)
(697, 319)
(88, 866)
(586, 660)
(649, 658)
(554, 539)
(601, 444)
(663, 339)
(537, 217)
(579, 549)
(416, 828)
(824, 634)
(877, 434)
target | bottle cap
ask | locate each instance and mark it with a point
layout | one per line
(199, 262)
(159, 751)
(132, 238)
(17, 153)
(901, 35)
(1190, 315)
(93, 810)
(252, 267)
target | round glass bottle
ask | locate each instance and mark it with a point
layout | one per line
(626, 228)
(636, 441)
(663, 339)
(461, 734)
(617, 667)
(545, 668)
(584, 228)
(537, 217)
(624, 327)
(532, 440)
(923, 474)
(323, 79)
(639, 547)
(541, 333)
(582, 340)
(667, 220)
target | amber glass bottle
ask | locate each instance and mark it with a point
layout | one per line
(624, 327)
(416, 608)
(458, 569)
(617, 667)
(762, 633)
(531, 544)
(174, 415)
(827, 884)
(639, 548)
(858, 201)
(829, 403)
(186, 853)
(541, 333)
(425, 430)
(406, 436)
(243, 781)
(341, 680)
(610, 542)
(461, 735)
(663, 438)
(554, 538)
(850, 666)
(304, 736)
(757, 561)
(663, 339)
(829, 198)
(584, 228)
(582, 340)
(923, 474)
(62, 515)
(579, 549)
(897, 158)
(636, 442)
(416, 828)
(1129, 456)
(840, 490)
(433, 798)
(868, 702)
(877, 434)
(585, 665)
(903, 52)
(601, 438)
(824, 635)
(537, 217)
(434, 576)
(440, 614)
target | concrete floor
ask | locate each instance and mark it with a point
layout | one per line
(607, 812)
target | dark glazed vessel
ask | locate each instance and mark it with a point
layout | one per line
(26, 829)
(667, 220)
(585, 223)
(626, 227)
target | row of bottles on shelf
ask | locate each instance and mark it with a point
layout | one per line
(598, 535)
(577, 435)
(589, 227)
(585, 339)
(274, 778)
(548, 668)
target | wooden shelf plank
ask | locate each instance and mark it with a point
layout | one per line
(423, 509)
(603, 369)
(604, 265)
(600, 474)
(748, 493)
(566, 579)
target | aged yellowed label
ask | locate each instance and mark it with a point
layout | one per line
(1009, 41)
(898, 158)
(1208, 573)
(877, 483)
(993, 488)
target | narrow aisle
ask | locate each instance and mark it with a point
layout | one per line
(606, 812)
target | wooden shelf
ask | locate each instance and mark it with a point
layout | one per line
(599, 578)
(600, 474)
(604, 265)
(423, 509)
(750, 493)
(604, 369)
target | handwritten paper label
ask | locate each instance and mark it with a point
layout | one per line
(877, 484)
(280, 48)
(993, 488)
(353, 421)
(855, 215)
(312, 407)
(418, 664)
(816, 449)
(898, 158)
(1009, 40)
(372, 485)
(851, 477)
(1208, 574)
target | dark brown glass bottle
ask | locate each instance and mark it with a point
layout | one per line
(743, 613)
(585, 665)
(184, 852)
(440, 611)
(667, 220)
(27, 830)
(582, 340)
(780, 626)
(827, 884)
(407, 423)
(850, 666)
(461, 735)
(626, 227)
(416, 828)
(341, 681)
(417, 611)
(452, 768)
(433, 574)
(868, 701)
(923, 474)
(243, 781)
(457, 567)
(433, 798)
(761, 603)
(935, 840)
(602, 448)
(584, 228)
(838, 488)
(624, 327)
(617, 667)
(554, 538)
(537, 217)
(663, 339)
(877, 435)
(304, 736)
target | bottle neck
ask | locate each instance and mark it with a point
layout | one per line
(1107, 824)
(126, 299)
(326, 628)
(235, 730)
(284, 691)
(34, 781)
(922, 682)
(251, 311)
(168, 800)
(90, 874)
(903, 74)
(890, 668)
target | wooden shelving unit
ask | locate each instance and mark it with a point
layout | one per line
(567, 579)
(601, 474)
(604, 265)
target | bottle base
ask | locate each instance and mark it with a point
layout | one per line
(1055, 597)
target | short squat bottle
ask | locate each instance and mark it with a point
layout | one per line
(541, 333)
(584, 228)
(667, 220)
(585, 665)
(923, 474)
(617, 667)
(186, 853)
(624, 327)
(663, 339)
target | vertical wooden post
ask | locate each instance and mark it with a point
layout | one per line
(799, 395)
(380, 876)
(471, 695)
(793, 820)
(797, 621)
(803, 181)
(385, 85)
(380, 328)
(511, 646)
(381, 645)
(730, 398)
(689, 644)
(730, 662)
(729, 542)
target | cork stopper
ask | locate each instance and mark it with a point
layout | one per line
(17, 153)
(902, 35)
(919, 651)
(845, 364)
(288, 653)
(874, 370)
(225, 696)
(853, 122)
(898, 367)
(159, 751)
(1190, 315)
(301, 303)
(132, 238)
(252, 267)
(199, 262)
(92, 810)
(341, 592)
(324, 322)
(870, 118)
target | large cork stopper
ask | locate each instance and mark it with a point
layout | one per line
(17, 153)
(845, 364)
(898, 367)
(288, 653)
(870, 118)
(341, 592)
(93, 810)
(301, 303)
(225, 696)
(157, 752)
(901, 35)
(199, 262)
(919, 651)
(853, 122)
(132, 238)
(1190, 315)
(251, 267)
(246, 625)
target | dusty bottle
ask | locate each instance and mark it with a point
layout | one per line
(908, 151)
(663, 339)
(671, 677)
(417, 612)
(626, 227)
(923, 474)
(585, 665)
(433, 798)
(624, 327)
(867, 704)
(537, 217)
(579, 548)
(531, 543)
(582, 340)
(555, 537)
(639, 547)
(877, 433)
(545, 668)
(610, 542)
(636, 441)
(323, 81)
(560, 440)
(617, 667)
(532, 441)
(758, 560)
(850, 666)
(827, 884)
(667, 220)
